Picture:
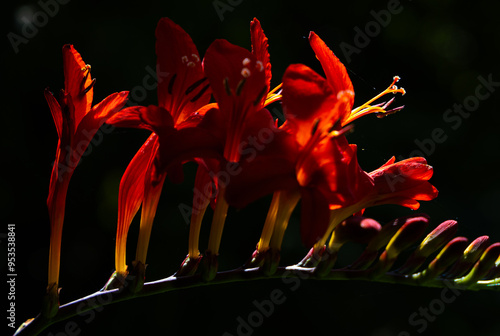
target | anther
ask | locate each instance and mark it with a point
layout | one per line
(226, 86)
(336, 125)
(88, 88)
(239, 87)
(195, 85)
(315, 126)
(184, 59)
(86, 67)
(245, 72)
(246, 61)
(259, 66)
(261, 94)
(196, 57)
(199, 94)
(171, 84)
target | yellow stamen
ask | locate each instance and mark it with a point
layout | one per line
(336, 217)
(267, 231)
(272, 96)
(366, 108)
(194, 231)
(287, 202)
(218, 221)
(149, 206)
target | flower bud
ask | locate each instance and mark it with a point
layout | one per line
(432, 242)
(471, 254)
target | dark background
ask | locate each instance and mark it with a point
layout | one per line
(438, 48)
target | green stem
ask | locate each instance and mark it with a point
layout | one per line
(107, 297)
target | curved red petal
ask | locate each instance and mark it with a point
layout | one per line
(132, 184)
(77, 81)
(260, 48)
(182, 86)
(93, 120)
(335, 71)
(239, 86)
(55, 109)
(152, 118)
(407, 180)
(258, 178)
(309, 103)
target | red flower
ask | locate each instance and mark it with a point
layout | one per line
(404, 183)
(240, 81)
(76, 123)
(319, 163)
(183, 97)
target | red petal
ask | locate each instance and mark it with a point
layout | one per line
(335, 71)
(76, 79)
(182, 86)
(55, 109)
(308, 102)
(187, 144)
(259, 178)
(404, 183)
(239, 85)
(260, 48)
(93, 120)
(152, 118)
(264, 168)
(132, 184)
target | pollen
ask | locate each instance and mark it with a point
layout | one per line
(184, 59)
(246, 61)
(259, 66)
(191, 64)
(245, 72)
(380, 109)
(195, 57)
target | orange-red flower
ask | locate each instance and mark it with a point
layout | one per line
(183, 91)
(240, 81)
(312, 155)
(76, 123)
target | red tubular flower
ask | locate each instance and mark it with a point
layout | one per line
(238, 79)
(404, 183)
(183, 97)
(324, 166)
(76, 123)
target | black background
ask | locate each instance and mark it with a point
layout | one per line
(438, 48)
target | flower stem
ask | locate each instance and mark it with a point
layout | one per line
(194, 231)
(103, 298)
(267, 231)
(150, 203)
(218, 221)
(287, 202)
